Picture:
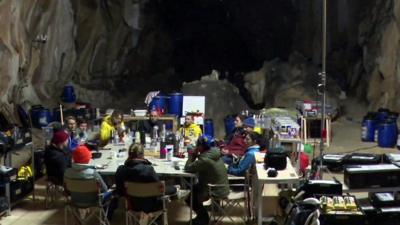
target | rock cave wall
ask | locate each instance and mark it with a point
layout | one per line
(115, 51)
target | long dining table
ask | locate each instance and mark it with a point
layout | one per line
(114, 155)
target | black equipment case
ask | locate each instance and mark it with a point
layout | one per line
(384, 175)
(333, 162)
(276, 158)
(363, 159)
(320, 187)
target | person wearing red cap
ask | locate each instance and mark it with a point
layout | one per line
(57, 158)
(82, 170)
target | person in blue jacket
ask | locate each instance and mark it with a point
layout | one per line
(248, 159)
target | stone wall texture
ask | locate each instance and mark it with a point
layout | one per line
(115, 51)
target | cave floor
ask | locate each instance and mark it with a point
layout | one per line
(346, 138)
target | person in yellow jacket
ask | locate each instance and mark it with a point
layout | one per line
(190, 131)
(111, 124)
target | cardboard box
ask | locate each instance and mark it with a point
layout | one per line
(271, 200)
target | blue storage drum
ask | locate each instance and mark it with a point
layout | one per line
(382, 114)
(209, 127)
(175, 104)
(368, 126)
(68, 95)
(229, 122)
(159, 103)
(44, 117)
(34, 111)
(387, 134)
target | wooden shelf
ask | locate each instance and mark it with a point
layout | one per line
(172, 118)
(305, 130)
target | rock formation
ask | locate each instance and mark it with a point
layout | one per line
(222, 99)
(115, 51)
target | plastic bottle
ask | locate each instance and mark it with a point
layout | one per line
(137, 137)
(116, 138)
(398, 142)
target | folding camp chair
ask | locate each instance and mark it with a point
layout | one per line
(145, 190)
(84, 196)
(53, 192)
(223, 207)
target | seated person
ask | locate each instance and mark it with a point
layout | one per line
(111, 124)
(81, 169)
(236, 146)
(71, 129)
(205, 161)
(82, 130)
(249, 124)
(248, 159)
(139, 169)
(57, 157)
(190, 131)
(147, 126)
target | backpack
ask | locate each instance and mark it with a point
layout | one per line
(24, 173)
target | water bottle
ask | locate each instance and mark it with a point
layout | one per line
(170, 152)
(398, 142)
(116, 138)
(137, 137)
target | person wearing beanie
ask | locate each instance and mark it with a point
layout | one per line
(252, 142)
(235, 147)
(82, 170)
(57, 158)
(205, 161)
(249, 124)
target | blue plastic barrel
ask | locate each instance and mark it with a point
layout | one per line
(368, 130)
(209, 127)
(175, 104)
(68, 94)
(159, 103)
(382, 114)
(44, 117)
(387, 134)
(57, 114)
(393, 116)
(35, 115)
(229, 124)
